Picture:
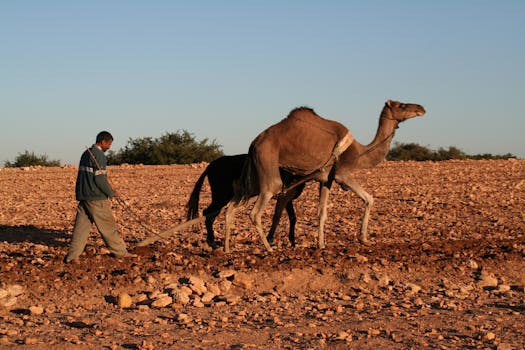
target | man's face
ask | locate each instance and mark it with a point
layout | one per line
(105, 145)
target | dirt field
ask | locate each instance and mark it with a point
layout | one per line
(446, 269)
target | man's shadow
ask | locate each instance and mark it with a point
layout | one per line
(32, 234)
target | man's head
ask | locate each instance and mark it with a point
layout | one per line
(104, 140)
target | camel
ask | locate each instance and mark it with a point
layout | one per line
(222, 173)
(355, 156)
(358, 156)
(303, 144)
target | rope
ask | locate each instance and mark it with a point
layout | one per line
(120, 201)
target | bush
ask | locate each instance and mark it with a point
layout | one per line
(171, 148)
(413, 151)
(31, 159)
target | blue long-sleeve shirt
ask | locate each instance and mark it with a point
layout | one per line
(92, 183)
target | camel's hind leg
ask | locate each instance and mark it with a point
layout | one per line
(324, 193)
(256, 216)
(229, 215)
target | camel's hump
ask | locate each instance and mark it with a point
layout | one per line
(308, 117)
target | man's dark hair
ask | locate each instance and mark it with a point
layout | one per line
(104, 136)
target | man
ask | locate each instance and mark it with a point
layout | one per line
(93, 192)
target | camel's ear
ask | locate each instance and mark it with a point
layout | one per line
(389, 103)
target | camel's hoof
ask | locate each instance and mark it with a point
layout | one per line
(365, 242)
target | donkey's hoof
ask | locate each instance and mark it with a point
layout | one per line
(212, 244)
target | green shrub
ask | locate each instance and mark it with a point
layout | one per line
(414, 151)
(31, 159)
(171, 148)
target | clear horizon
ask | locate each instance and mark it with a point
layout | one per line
(226, 71)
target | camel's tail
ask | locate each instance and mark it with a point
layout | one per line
(248, 184)
(193, 202)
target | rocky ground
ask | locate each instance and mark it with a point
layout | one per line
(446, 269)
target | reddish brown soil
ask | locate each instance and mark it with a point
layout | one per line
(446, 268)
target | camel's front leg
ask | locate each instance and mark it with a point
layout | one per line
(367, 198)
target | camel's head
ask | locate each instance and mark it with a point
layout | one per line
(401, 111)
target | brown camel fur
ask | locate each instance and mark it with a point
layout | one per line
(358, 156)
(303, 144)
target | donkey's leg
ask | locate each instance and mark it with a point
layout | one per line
(211, 213)
(292, 218)
(279, 207)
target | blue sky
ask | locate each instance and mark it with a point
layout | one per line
(226, 70)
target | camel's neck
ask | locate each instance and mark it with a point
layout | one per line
(376, 151)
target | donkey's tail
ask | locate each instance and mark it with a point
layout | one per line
(193, 202)
(248, 184)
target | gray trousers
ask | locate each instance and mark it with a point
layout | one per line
(99, 213)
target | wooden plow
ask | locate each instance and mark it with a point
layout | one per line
(169, 232)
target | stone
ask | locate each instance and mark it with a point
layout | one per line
(140, 298)
(8, 302)
(30, 341)
(343, 335)
(490, 336)
(185, 290)
(207, 297)
(243, 280)
(36, 310)
(184, 318)
(124, 300)
(472, 264)
(162, 302)
(181, 298)
(232, 299)
(156, 294)
(383, 280)
(413, 288)
(15, 290)
(213, 288)
(226, 273)
(197, 285)
(197, 302)
(503, 288)
(487, 281)
(3, 293)
(225, 286)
